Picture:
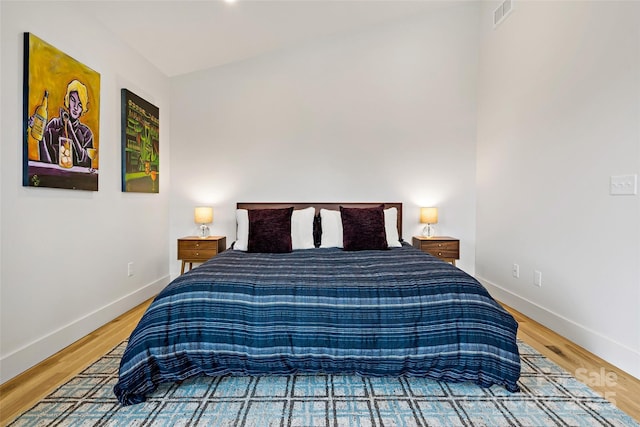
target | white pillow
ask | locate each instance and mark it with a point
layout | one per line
(331, 229)
(242, 233)
(391, 227)
(301, 229)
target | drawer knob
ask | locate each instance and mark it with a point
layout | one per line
(439, 253)
(197, 253)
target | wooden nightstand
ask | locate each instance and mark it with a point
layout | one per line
(445, 248)
(197, 249)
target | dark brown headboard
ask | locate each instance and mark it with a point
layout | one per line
(324, 205)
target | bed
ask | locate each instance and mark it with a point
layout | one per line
(328, 309)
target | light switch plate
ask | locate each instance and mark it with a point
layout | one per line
(623, 185)
(537, 278)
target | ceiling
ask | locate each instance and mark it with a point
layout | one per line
(180, 37)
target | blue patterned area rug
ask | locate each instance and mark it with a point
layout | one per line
(550, 397)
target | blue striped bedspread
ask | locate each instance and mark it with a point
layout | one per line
(377, 313)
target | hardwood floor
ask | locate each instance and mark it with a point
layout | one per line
(612, 383)
(22, 392)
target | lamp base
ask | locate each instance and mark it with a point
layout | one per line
(204, 231)
(428, 231)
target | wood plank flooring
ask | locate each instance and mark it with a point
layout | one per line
(612, 383)
(22, 392)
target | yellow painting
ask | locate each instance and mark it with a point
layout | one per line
(61, 119)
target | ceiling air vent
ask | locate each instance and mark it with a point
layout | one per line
(501, 12)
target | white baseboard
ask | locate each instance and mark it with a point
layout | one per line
(35, 352)
(617, 354)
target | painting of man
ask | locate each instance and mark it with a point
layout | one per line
(68, 126)
(59, 151)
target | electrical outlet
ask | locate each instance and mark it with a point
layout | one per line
(537, 278)
(623, 185)
(515, 271)
(130, 269)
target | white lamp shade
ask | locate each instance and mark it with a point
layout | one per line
(203, 215)
(429, 215)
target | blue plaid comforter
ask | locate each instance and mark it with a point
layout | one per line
(394, 312)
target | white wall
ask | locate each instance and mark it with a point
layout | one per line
(387, 114)
(558, 114)
(59, 284)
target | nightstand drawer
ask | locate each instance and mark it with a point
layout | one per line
(441, 249)
(197, 245)
(197, 254)
(445, 248)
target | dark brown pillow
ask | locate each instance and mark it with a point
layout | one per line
(270, 230)
(317, 231)
(363, 228)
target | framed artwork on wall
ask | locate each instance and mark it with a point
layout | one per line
(140, 144)
(61, 119)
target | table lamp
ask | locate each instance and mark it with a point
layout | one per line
(203, 215)
(428, 216)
